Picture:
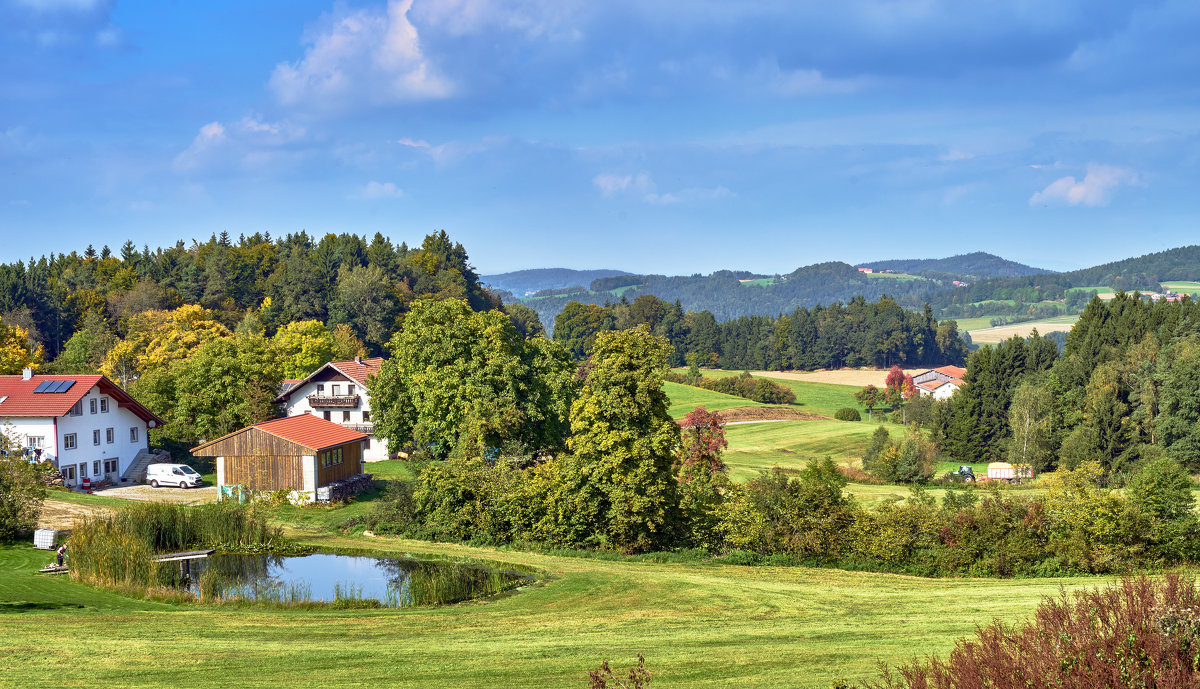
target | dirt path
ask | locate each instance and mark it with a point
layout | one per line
(61, 515)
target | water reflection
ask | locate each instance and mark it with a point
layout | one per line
(324, 577)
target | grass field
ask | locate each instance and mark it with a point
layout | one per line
(1192, 288)
(1003, 332)
(685, 398)
(811, 396)
(902, 277)
(698, 626)
(791, 444)
(760, 282)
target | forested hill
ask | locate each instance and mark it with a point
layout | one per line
(975, 265)
(728, 294)
(1145, 273)
(525, 282)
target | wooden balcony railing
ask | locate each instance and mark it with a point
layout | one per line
(367, 428)
(339, 401)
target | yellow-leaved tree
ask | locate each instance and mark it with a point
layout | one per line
(16, 351)
(157, 338)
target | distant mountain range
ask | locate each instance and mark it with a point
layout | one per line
(523, 283)
(977, 265)
(968, 286)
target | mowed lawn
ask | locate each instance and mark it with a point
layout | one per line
(685, 399)
(697, 625)
(791, 444)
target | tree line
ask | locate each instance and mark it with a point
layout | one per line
(1126, 390)
(854, 334)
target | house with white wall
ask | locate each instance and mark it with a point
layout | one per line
(86, 426)
(337, 392)
(940, 383)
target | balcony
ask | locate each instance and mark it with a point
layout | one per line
(365, 428)
(333, 401)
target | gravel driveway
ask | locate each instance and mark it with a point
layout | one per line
(182, 496)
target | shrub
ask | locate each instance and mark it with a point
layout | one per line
(847, 414)
(21, 494)
(1139, 632)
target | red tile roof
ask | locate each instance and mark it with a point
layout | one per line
(21, 400)
(306, 430)
(952, 371)
(356, 370)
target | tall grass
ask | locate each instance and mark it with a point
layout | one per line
(117, 549)
(444, 584)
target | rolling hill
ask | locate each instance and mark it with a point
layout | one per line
(973, 265)
(525, 282)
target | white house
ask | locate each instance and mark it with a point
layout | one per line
(940, 382)
(86, 426)
(337, 392)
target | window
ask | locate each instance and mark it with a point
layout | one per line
(96, 467)
(349, 389)
(76, 410)
(35, 441)
(68, 473)
(103, 405)
(82, 469)
(133, 434)
(336, 390)
(366, 416)
(92, 405)
(331, 457)
(110, 466)
(326, 416)
(69, 441)
(109, 436)
(320, 388)
(345, 416)
(367, 444)
(96, 437)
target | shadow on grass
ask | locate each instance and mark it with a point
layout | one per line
(9, 607)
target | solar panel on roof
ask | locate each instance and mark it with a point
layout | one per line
(43, 385)
(63, 385)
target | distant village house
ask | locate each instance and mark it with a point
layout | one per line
(940, 383)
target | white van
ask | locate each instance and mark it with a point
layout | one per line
(180, 475)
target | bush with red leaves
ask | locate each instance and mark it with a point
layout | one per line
(1140, 632)
(603, 677)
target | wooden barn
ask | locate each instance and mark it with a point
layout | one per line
(312, 458)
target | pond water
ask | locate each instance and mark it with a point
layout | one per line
(330, 578)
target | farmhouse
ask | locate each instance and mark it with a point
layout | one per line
(337, 392)
(86, 426)
(940, 382)
(311, 458)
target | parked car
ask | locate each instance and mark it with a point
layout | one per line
(180, 475)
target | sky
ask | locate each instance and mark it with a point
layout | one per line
(670, 136)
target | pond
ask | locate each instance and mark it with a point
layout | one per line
(345, 579)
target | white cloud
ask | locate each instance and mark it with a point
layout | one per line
(249, 142)
(1095, 189)
(64, 5)
(379, 190)
(642, 186)
(366, 56)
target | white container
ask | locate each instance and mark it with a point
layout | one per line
(43, 539)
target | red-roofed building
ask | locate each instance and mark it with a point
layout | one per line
(941, 382)
(310, 457)
(337, 392)
(86, 426)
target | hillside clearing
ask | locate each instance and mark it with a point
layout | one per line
(1001, 333)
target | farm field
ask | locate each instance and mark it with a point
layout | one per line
(1192, 288)
(791, 444)
(811, 396)
(697, 625)
(685, 398)
(1001, 333)
(846, 376)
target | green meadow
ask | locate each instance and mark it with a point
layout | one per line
(698, 625)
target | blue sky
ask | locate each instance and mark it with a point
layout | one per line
(670, 137)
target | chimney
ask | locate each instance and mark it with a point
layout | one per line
(358, 360)
(27, 373)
